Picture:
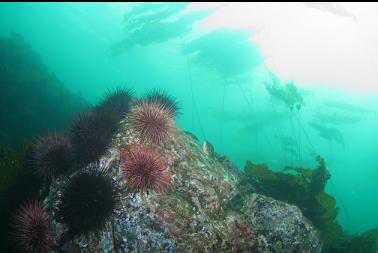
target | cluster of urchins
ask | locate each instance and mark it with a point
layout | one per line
(89, 196)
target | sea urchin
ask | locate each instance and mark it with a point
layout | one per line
(144, 168)
(166, 101)
(117, 101)
(52, 155)
(32, 228)
(151, 121)
(91, 133)
(87, 201)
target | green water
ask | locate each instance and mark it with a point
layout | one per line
(219, 77)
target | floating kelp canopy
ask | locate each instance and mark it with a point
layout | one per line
(337, 113)
(229, 52)
(347, 107)
(156, 23)
(336, 118)
(286, 92)
(328, 133)
(288, 144)
(259, 120)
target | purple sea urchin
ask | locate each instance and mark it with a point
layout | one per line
(144, 168)
(32, 228)
(167, 102)
(52, 155)
(151, 121)
(117, 102)
(87, 201)
(91, 133)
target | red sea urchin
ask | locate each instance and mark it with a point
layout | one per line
(32, 228)
(144, 169)
(167, 102)
(52, 155)
(151, 121)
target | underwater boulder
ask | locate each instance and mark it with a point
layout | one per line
(192, 213)
(283, 226)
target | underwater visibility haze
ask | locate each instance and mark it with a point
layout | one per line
(188, 127)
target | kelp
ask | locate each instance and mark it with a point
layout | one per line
(33, 100)
(286, 92)
(299, 186)
(328, 133)
(150, 23)
(228, 52)
(305, 188)
(365, 243)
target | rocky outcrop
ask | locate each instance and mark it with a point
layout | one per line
(201, 212)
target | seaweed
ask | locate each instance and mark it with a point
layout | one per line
(148, 23)
(33, 101)
(305, 188)
(328, 133)
(286, 92)
(367, 242)
(228, 52)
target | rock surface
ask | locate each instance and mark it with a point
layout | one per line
(201, 212)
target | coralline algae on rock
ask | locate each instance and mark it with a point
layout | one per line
(194, 214)
(283, 226)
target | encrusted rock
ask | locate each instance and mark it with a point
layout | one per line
(201, 212)
(283, 225)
